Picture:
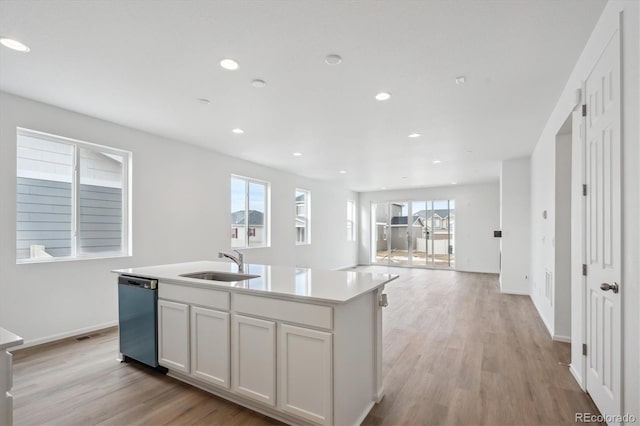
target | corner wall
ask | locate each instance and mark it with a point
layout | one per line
(477, 216)
(181, 206)
(515, 221)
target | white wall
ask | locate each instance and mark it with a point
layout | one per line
(542, 184)
(181, 208)
(477, 216)
(515, 225)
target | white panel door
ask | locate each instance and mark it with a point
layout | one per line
(305, 381)
(210, 346)
(173, 335)
(603, 234)
(254, 359)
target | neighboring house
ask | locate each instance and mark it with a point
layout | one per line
(398, 231)
(254, 230)
(438, 219)
(437, 226)
(44, 210)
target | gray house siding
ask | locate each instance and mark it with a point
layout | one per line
(100, 219)
(44, 217)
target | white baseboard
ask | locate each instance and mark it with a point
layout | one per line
(576, 376)
(517, 293)
(559, 338)
(60, 336)
(364, 414)
(544, 321)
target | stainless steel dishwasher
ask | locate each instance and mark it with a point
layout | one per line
(138, 318)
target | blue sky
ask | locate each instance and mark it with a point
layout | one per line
(256, 195)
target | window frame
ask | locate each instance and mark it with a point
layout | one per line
(352, 208)
(306, 218)
(77, 145)
(267, 213)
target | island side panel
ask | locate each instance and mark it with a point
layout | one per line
(354, 379)
(378, 387)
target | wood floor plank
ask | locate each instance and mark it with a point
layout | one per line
(456, 352)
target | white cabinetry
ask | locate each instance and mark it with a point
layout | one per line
(6, 383)
(7, 340)
(297, 361)
(254, 358)
(210, 345)
(305, 373)
(173, 335)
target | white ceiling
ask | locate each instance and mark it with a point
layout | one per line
(144, 63)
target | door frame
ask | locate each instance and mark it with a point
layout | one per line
(580, 372)
(579, 292)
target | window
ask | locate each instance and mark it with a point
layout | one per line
(303, 216)
(249, 213)
(71, 199)
(351, 220)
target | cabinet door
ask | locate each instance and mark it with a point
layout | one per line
(173, 335)
(305, 385)
(254, 359)
(210, 345)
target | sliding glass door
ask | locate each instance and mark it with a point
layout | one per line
(399, 231)
(380, 232)
(420, 245)
(413, 233)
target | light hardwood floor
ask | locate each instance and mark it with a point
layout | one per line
(455, 352)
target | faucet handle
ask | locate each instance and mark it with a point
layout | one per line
(220, 255)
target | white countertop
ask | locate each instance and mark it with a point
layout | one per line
(8, 339)
(283, 281)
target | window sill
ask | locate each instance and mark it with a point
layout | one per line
(250, 248)
(70, 259)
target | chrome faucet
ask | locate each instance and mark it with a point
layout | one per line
(237, 260)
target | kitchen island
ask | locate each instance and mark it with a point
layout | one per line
(8, 340)
(300, 345)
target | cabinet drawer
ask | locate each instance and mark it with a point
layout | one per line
(194, 296)
(284, 310)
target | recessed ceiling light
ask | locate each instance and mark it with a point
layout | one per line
(415, 135)
(297, 154)
(405, 177)
(383, 96)
(460, 80)
(342, 172)
(14, 45)
(238, 131)
(204, 101)
(437, 161)
(229, 64)
(258, 83)
(333, 59)
(384, 187)
(453, 183)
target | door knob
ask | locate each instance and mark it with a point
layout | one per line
(613, 287)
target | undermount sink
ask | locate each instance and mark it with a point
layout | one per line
(219, 276)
